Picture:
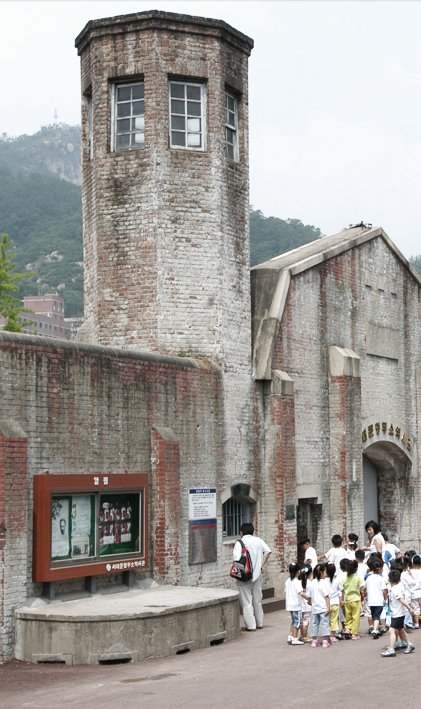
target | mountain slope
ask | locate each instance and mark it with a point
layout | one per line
(54, 150)
(43, 217)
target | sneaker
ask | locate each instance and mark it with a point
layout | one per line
(355, 637)
(375, 634)
(416, 627)
(289, 641)
(306, 640)
(314, 643)
(382, 631)
(326, 643)
(389, 652)
(409, 649)
(295, 641)
(333, 641)
(339, 636)
(347, 634)
(401, 645)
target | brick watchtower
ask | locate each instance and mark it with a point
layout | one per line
(165, 185)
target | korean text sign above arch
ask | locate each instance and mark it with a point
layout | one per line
(82, 523)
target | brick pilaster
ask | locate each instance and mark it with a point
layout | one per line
(165, 505)
(13, 530)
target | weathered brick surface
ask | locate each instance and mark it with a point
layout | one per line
(13, 536)
(278, 482)
(331, 304)
(165, 507)
(166, 230)
(91, 410)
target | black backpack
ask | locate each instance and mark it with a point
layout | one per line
(242, 570)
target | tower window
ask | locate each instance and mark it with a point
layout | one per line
(129, 116)
(231, 126)
(186, 115)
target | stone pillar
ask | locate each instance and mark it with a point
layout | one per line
(165, 505)
(346, 506)
(278, 479)
(13, 530)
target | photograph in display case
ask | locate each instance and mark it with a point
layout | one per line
(119, 517)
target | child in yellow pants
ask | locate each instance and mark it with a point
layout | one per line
(351, 599)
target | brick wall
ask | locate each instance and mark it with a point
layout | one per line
(13, 530)
(88, 409)
(335, 304)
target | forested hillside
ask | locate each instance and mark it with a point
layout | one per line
(270, 236)
(43, 217)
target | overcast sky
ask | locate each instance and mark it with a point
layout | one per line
(335, 125)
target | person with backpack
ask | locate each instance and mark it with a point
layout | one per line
(251, 591)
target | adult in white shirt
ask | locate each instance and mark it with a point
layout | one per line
(375, 541)
(310, 555)
(251, 591)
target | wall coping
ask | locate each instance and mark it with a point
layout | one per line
(156, 19)
(57, 345)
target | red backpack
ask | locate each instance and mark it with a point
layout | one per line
(242, 570)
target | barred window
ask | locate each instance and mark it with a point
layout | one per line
(186, 115)
(231, 126)
(234, 513)
(129, 116)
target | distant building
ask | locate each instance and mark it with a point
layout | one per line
(48, 316)
(74, 324)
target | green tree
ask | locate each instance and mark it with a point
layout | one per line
(10, 306)
(271, 236)
(415, 261)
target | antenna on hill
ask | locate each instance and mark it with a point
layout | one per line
(55, 116)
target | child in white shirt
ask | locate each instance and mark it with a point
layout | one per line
(398, 606)
(293, 593)
(306, 576)
(362, 566)
(310, 555)
(320, 604)
(376, 594)
(334, 592)
(416, 592)
(351, 546)
(336, 553)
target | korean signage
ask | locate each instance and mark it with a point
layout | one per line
(387, 429)
(202, 525)
(202, 503)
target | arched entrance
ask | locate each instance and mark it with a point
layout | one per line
(389, 490)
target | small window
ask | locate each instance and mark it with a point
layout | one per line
(234, 513)
(186, 115)
(231, 126)
(129, 116)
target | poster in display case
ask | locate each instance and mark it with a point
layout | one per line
(119, 523)
(82, 523)
(72, 527)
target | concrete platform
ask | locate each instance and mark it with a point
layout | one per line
(130, 626)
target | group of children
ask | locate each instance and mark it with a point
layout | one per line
(373, 581)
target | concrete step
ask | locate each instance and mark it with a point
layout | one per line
(270, 605)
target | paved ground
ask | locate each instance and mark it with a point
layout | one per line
(257, 670)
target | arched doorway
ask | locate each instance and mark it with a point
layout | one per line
(389, 490)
